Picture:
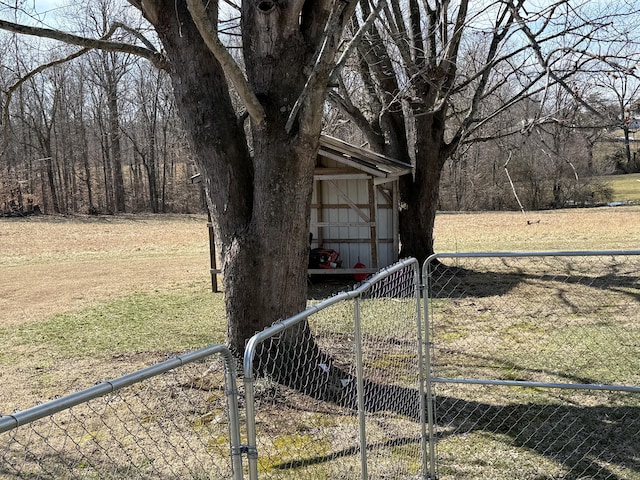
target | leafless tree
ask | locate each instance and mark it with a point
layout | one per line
(431, 71)
(257, 162)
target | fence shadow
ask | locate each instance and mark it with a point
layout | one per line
(589, 441)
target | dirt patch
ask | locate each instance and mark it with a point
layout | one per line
(35, 292)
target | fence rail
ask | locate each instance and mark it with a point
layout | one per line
(176, 419)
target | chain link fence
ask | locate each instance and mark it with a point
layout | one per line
(335, 392)
(529, 367)
(535, 365)
(175, 420)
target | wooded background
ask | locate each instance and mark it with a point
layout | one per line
(98, 133)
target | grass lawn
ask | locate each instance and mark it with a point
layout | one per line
(604, 228)
(87, 299)
(626, 188)
(90, 298)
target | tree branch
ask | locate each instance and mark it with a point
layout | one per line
(357, 38)
(323, 55)
(133, 32)
(154, 57)
(229, 66)
(15, 86)
(535, 45)
(343, 103)
(506, 20)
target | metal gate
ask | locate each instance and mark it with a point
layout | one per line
(337, 391)
(534, 365)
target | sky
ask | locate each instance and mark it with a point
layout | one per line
(46, 5)
(35, 12)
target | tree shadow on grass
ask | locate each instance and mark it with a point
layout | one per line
(588, 441)
(591, 440)
(458, 282)
(345, 452)
(596, 441)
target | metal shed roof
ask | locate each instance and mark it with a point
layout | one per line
(361, 158)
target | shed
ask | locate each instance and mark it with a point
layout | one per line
(355, 204)
(354, 208)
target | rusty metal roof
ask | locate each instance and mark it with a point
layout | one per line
(361, 158)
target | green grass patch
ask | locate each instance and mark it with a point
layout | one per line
(293, 450)
(626, 188)
(138, 322)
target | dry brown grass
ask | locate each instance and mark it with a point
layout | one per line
(52, 266)
(55, 264)
(575, 229)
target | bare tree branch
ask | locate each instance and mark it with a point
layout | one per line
(343, 102)
(133, 32)
(231, 68)
(357, 38)
(544, 63)
(323, 57)
(15, 86)
(154, 57)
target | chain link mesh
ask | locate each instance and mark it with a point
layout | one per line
(393, 387)
(307, 420)
(550, 319)
(174, 425)
(338, 392)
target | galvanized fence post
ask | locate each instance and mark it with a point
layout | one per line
(423, 375)
(251, 448)
(362, 420)
(232, 394)
(431, 420)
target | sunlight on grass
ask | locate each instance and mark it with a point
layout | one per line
(139, 322)
(488, 456)
(603, 228)
(626, 188)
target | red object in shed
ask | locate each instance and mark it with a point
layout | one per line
(359, 277)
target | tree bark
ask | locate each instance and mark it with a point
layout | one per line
(115, 146)
(419, 194)
(260, 200)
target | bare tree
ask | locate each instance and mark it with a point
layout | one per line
(146, 105)
(257, 164)
(431, 72)
(622, 88)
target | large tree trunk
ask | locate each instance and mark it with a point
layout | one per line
(259, 201)
(420, 192)
(265, 266)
